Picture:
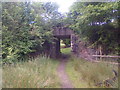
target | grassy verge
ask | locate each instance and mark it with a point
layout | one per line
(38, 73)
(85, 74)
(66, 50)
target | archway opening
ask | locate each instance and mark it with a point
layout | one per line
(65, 46)
(64, 37)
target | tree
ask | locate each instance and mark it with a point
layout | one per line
(25, 28)
(97, 23)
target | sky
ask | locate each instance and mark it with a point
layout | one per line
(64, 5)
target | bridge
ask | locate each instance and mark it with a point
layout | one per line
(62, 33)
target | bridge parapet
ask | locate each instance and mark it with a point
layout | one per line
(62, 32)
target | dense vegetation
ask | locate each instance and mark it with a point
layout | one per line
(27, 25)
(97, 23)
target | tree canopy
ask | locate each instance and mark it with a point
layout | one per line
(97, 23)
(26, 26)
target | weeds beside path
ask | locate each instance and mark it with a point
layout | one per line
(37, 73)
(86, 74)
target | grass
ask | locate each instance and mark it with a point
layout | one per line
(42, 73)
(63, 49)
(85, 74)
(66, 50)
(38, 73)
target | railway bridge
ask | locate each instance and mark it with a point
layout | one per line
(62, 33)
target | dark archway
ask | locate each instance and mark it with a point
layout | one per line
(58, 47)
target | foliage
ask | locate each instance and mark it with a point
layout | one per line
(15, 31)
(66, 42)
(26, 26)
(97, 23)
(62, 44)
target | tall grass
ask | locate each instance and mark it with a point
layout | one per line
(85, 74)
(37, 73)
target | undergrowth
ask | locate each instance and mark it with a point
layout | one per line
(36, 73)
(86, 74)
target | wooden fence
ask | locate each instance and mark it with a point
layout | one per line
(111, 58)
(106, 56)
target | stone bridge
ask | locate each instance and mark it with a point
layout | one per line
(62, 33)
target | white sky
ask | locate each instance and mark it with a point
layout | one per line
(63, 4)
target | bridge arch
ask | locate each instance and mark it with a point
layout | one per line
(63, 33)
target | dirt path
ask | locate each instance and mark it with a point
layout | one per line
(65, 82)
